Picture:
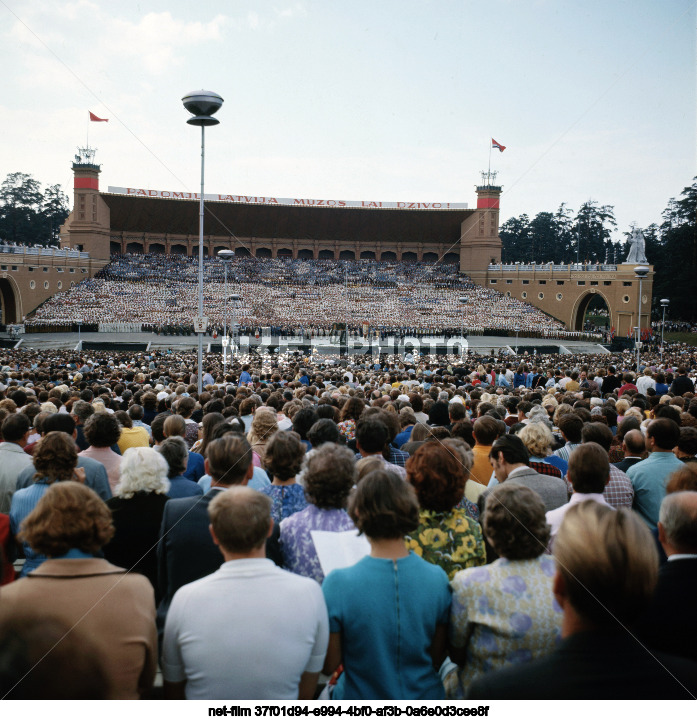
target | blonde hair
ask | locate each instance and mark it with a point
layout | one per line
(537, 438)
(264, 424)
(608, 561)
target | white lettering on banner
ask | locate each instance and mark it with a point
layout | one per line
(268, 200)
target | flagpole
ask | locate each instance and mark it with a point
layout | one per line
(488, 175)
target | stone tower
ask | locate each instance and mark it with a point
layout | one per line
(480, 243)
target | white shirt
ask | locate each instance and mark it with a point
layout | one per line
(248, 631)
(556, 516)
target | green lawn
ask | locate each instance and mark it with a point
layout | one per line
(689, 338)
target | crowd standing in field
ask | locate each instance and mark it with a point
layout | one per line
(531, 526)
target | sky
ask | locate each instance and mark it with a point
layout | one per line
(375, 100)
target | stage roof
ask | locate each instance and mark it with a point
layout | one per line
(160, 216)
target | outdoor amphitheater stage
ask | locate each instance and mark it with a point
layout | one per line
(138, 342)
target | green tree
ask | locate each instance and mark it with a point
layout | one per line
(514, 239)
(28, 215)
(593, 227)
(543, 238)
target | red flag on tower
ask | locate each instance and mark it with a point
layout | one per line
(500, 147)
(95, 119)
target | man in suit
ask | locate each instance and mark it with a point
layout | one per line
(633, 446)
(611, 382)
(606, 572)
(511, 461)
(670, 624)
(186, 551)
(96, 476)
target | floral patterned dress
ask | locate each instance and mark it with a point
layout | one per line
(451, 540)
(503, 614)
(297, 546)
(285, 500)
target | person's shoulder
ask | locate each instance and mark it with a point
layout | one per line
(178, 506)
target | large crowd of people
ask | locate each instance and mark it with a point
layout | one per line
(309, 296)
(486, 527)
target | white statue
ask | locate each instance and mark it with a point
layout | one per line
(637, 248)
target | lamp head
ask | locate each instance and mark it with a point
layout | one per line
(463, 299)
(641, 271)
(226, 254)
(202, 104)
(665, 302)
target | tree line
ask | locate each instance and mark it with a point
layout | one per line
(28, 214)
(561, 237)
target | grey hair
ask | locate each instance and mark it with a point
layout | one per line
(678, 516)
(142, 469)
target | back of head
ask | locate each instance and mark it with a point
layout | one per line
(102, 430)
(687, 443)
(515, 522)
(678, 518)
(589, 468)
(665, 433)
(597, 433)
(142, 470)
(668, 412)
(174, 426)
(383, 506)
(175, 452)
(571, 426)
(324, 431)
(241, 519)
(513, 449)
(55, 456)
(634, 442)
(537, 439)
(229, 459)
(608, 563)
(15, 427)
(59, 422)
(371, 434)
(486, 430)
(438, 476)
(329, 475)
(284, 455)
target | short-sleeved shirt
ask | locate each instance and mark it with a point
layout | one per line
(387, 613)
(248, 631)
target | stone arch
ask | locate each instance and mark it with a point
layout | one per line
(326, 254)
(242, 252)
(11, 301)
(430, 257)
(263, 253)
(347, 255)
(388, 255)
(305, 254)
(581, 305)
(178, 249)
(157, 248)
(409, 255)
(194, 251)
(284, 253)
(450, 258)
(114, 247)
(134, 248)
(367, 255)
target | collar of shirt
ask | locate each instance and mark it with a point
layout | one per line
(581, 497)
(681, 556)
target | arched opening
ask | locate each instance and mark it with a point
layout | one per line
(451, 258)
(284, 253)
(134, 248)
(242, 252)
(409, 255)
(194, 251)
(592, 313)
(157, 248)
(367, 255)
(326, 255)
(430, 257)
(218, 248)
(305, 254)
(178, 249)
(388, 255)
(263, 253)
(114, 248)
(8, 299)
(347, 255)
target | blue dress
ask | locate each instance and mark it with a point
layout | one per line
(387, 613)
(286, 500)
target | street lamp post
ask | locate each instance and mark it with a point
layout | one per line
(516, 340)
(463, 301)
(79, 332)
(664, 304)
(640, 272)
(235, 299)
(202, 104)
(225, 255)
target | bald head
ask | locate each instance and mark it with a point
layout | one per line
(634, 444)
(677, 523)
